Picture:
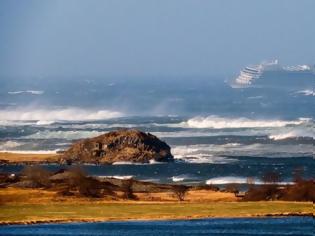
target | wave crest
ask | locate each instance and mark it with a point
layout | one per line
(217, 122)
(65, 114)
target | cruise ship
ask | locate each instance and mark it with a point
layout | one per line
(272, 74)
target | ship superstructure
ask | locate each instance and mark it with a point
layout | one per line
(271, 73)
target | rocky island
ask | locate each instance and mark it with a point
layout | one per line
(126, 145)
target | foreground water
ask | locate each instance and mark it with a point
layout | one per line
(237, 227)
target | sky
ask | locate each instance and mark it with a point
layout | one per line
(145, 38)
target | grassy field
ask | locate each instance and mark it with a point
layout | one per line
(65, 212)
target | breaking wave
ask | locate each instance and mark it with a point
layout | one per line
(32, 151)
(307, 92)
(237, 180)
(67, 135)
(44, 116)
(222, 154)
(216, 122)
(122, 177)
(7, 145)
(181, 178)
(33, 92)
(292, 134)
(200, 154)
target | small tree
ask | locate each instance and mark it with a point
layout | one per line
(232, 188)
(250, 182)
(86, 186)
(271, 177)
(37, 175)
(127, 190)
(180, 191)
(298, 174)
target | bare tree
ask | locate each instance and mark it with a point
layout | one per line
(180, 191)
(271, 177)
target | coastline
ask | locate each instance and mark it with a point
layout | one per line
(21, 206)
(77, 221)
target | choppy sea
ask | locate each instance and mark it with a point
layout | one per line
(217, 134)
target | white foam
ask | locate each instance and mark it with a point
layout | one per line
(199, 154)
(117, 176)
(228, 180)
(33, 92)
(282, 136)
(68, 135)
(305, 132)
(45, 122)
(307, 92)
(151, 162)
(238, 180)
(177, 179)
(217, 122)
(64, 114)
(31, 151)
(181, 178)
(222, 154)
(9, 145)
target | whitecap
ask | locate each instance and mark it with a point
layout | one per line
(116, 176)
(31, 151)
(33, 92)
(68, 135)
(45, 122)
(177, 179)
(239, 180)
(229, 180)
(9, 145)
(216, 122)
(307, 92)
(63, 114)
(181, 178)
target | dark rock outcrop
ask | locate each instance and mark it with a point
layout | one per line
(127, 145)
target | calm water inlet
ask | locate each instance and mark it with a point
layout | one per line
(243, 226)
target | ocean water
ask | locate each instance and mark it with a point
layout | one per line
(217, 134)
(297, 226)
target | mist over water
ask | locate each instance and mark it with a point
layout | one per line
(217, 134)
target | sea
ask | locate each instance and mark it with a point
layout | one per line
(218, 135)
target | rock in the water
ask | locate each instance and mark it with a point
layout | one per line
(127, 145)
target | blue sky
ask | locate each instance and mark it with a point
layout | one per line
(144, 38)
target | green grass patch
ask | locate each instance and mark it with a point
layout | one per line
(124, 211)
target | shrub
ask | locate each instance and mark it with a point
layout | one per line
(127, 190)
(304, 190)
(39, 176)
(232, 188)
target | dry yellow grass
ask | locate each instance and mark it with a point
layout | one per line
(11, 196)
(22, 206)
(26, 157)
